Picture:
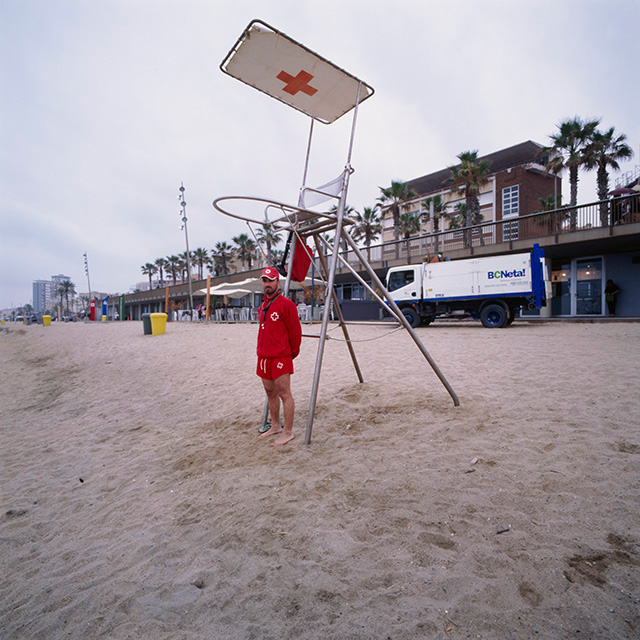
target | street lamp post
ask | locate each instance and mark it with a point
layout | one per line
(86, 270)
(183, 204)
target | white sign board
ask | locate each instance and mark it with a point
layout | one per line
(273, 63)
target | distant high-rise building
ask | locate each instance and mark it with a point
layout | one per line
(45, 293)
(41, 295)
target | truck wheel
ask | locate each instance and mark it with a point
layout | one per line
(494, 316)
(512, 317)
(412, 316)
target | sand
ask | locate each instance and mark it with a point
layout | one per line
(138, 503)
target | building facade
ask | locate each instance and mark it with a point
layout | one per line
(516, 182)
(45, 293)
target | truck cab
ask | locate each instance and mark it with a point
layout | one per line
(405, 282)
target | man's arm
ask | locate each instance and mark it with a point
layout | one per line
(295, 330)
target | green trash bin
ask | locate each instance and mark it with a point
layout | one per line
(146, 324)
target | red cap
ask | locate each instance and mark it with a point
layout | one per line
(271, 273)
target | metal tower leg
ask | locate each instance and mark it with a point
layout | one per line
(341, 321)
(400, 316)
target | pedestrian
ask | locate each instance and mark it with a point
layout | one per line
(279, 338)
(611, 292)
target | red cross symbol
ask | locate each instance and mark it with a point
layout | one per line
(299, 83)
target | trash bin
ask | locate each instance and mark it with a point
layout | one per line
(46, 321)
(146, 324)
(158, 323)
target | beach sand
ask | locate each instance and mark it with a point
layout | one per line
(137, 501)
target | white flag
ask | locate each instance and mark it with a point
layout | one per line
(312, 197)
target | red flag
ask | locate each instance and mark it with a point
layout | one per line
(301, 261)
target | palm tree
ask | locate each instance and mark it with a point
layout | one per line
(327, 248)
(396, 197)
(468, 178)
(603, 151)
(409, 225)
(458, 220)
(223, 256)
(149, 269)
(186, 262)
(368, 227)
(569, 145)
(66, 288)
(83, 303)
(278, 255)
(200, 257)
(173, 265)
(162, 264)
(439, 211)
(270, 236)
(556, 217)
(245, 247)
(253, 250)
(349, 212)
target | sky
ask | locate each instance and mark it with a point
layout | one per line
(107, 106)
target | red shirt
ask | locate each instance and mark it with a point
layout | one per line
(279, 330)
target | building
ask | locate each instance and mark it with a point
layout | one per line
(585, 246)
(516, 182)
(45, 293)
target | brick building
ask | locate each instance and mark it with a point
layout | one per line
(517, 179)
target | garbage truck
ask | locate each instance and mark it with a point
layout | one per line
(491, 289)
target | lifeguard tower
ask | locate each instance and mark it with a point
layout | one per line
(284, 69)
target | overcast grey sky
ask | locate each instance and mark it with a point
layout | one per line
(108, 105)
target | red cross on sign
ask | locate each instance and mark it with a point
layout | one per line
(299, 83)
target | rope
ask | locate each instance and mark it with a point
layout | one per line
(384, 335)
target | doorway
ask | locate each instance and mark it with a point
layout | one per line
(577, 287)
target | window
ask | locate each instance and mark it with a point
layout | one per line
(510, 230)
(351, 291)
(400, 279)
(511, 201)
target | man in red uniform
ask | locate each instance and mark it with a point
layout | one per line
(279, 337)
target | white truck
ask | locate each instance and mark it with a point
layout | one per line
(492, 289)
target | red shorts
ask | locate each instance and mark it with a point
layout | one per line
(272, 368)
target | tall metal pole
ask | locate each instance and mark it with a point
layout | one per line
(86, 270)
(183, 204)
(331, 275)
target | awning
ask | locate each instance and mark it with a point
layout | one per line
(250, 285)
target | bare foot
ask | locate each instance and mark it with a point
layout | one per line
(283, 439)
(274, 431)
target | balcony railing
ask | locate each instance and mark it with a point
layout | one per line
(607, 214)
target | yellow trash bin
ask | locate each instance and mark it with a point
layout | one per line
(46, 321)
(158, 324)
